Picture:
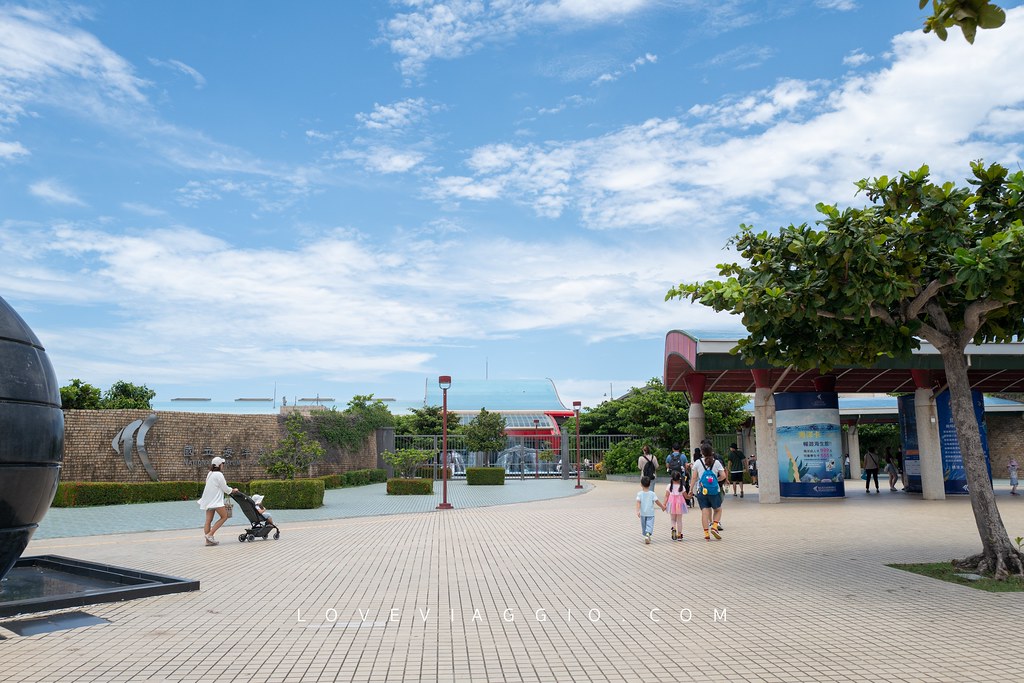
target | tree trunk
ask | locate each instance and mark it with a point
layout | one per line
(999, 557)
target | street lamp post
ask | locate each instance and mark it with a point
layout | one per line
(445, 382)
(579, 463)
(536, 450)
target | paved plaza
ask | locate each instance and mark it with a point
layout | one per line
(559, 587)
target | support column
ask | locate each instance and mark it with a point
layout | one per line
(695, 383)
(853, 441)
(933, 485)
(767, 448)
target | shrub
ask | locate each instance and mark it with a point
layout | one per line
(87, 493)
(290, 494)
(406, 460)
(485, 476)
(410, 487)
(295, 452)
(332, 481)
(353, 478)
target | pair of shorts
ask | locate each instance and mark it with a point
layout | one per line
(711, 500)
(736, 477)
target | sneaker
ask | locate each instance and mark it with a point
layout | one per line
(647, 539)
(211, 541)
(706, 537)
(714, 532)
(673, 533)
(718, 525)
(741, 494)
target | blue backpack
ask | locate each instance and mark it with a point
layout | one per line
(709, 482)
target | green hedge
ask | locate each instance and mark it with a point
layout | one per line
(85, 493)
(354, 478)
(484, 476)
(410, 487)
(289, 494)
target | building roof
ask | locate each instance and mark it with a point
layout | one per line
(992, 368)
(538, 395)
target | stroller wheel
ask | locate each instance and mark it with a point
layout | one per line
(241, 538)
(250, 537)
(277, 534)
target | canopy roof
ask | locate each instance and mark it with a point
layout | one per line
(992, 368)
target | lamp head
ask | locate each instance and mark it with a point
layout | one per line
(576, 407)
(444, 381)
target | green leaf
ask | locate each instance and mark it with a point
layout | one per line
(990, 16)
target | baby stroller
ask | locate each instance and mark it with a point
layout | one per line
(260, 526)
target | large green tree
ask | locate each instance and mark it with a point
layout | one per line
(924, 261)
(969, 15)
(79, 395)
(425, 420)
(660, 416)
(485, 433)
(295, 452)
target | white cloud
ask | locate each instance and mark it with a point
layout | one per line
(742, 57)
(776, 150)
(143, 209)
(52, 191)
(394, 117)
(838, 5)
(11, 150)
(857, 58)
(383, 158)
(197, 78)
(43, 60)
(455, 28)
(633, 66)
(200, 306)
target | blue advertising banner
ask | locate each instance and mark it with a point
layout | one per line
(908, 439)
(953, 473)
(952, 459)
(809, 440)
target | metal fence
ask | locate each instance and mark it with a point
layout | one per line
(528, 455)
(522, 455)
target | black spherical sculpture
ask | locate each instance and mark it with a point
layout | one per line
(31, 435)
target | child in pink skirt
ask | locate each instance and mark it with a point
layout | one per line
(675, 504)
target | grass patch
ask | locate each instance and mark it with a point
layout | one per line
(945, 571)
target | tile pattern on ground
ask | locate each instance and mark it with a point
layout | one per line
(553, 590)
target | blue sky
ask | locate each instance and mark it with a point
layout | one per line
(338, 198)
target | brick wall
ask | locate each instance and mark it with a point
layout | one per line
(1005, 438)
(180, 446)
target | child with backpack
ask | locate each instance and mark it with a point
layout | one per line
(675, 503)
(708, 475)
(645, 502)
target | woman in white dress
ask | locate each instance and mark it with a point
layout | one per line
(213, 500)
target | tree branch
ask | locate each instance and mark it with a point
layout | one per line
(882, 314)
(829, 314)
(915, 306)
(974, 317)
(939, 320)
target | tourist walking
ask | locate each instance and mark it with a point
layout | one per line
(213, 500)
(675, 504)
(893, 471)
(1012, 466)
(675, 461)
(752, 467)
(870, 470)
(647, 463)
(708, 476)
(645, 502)
(737, 463)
